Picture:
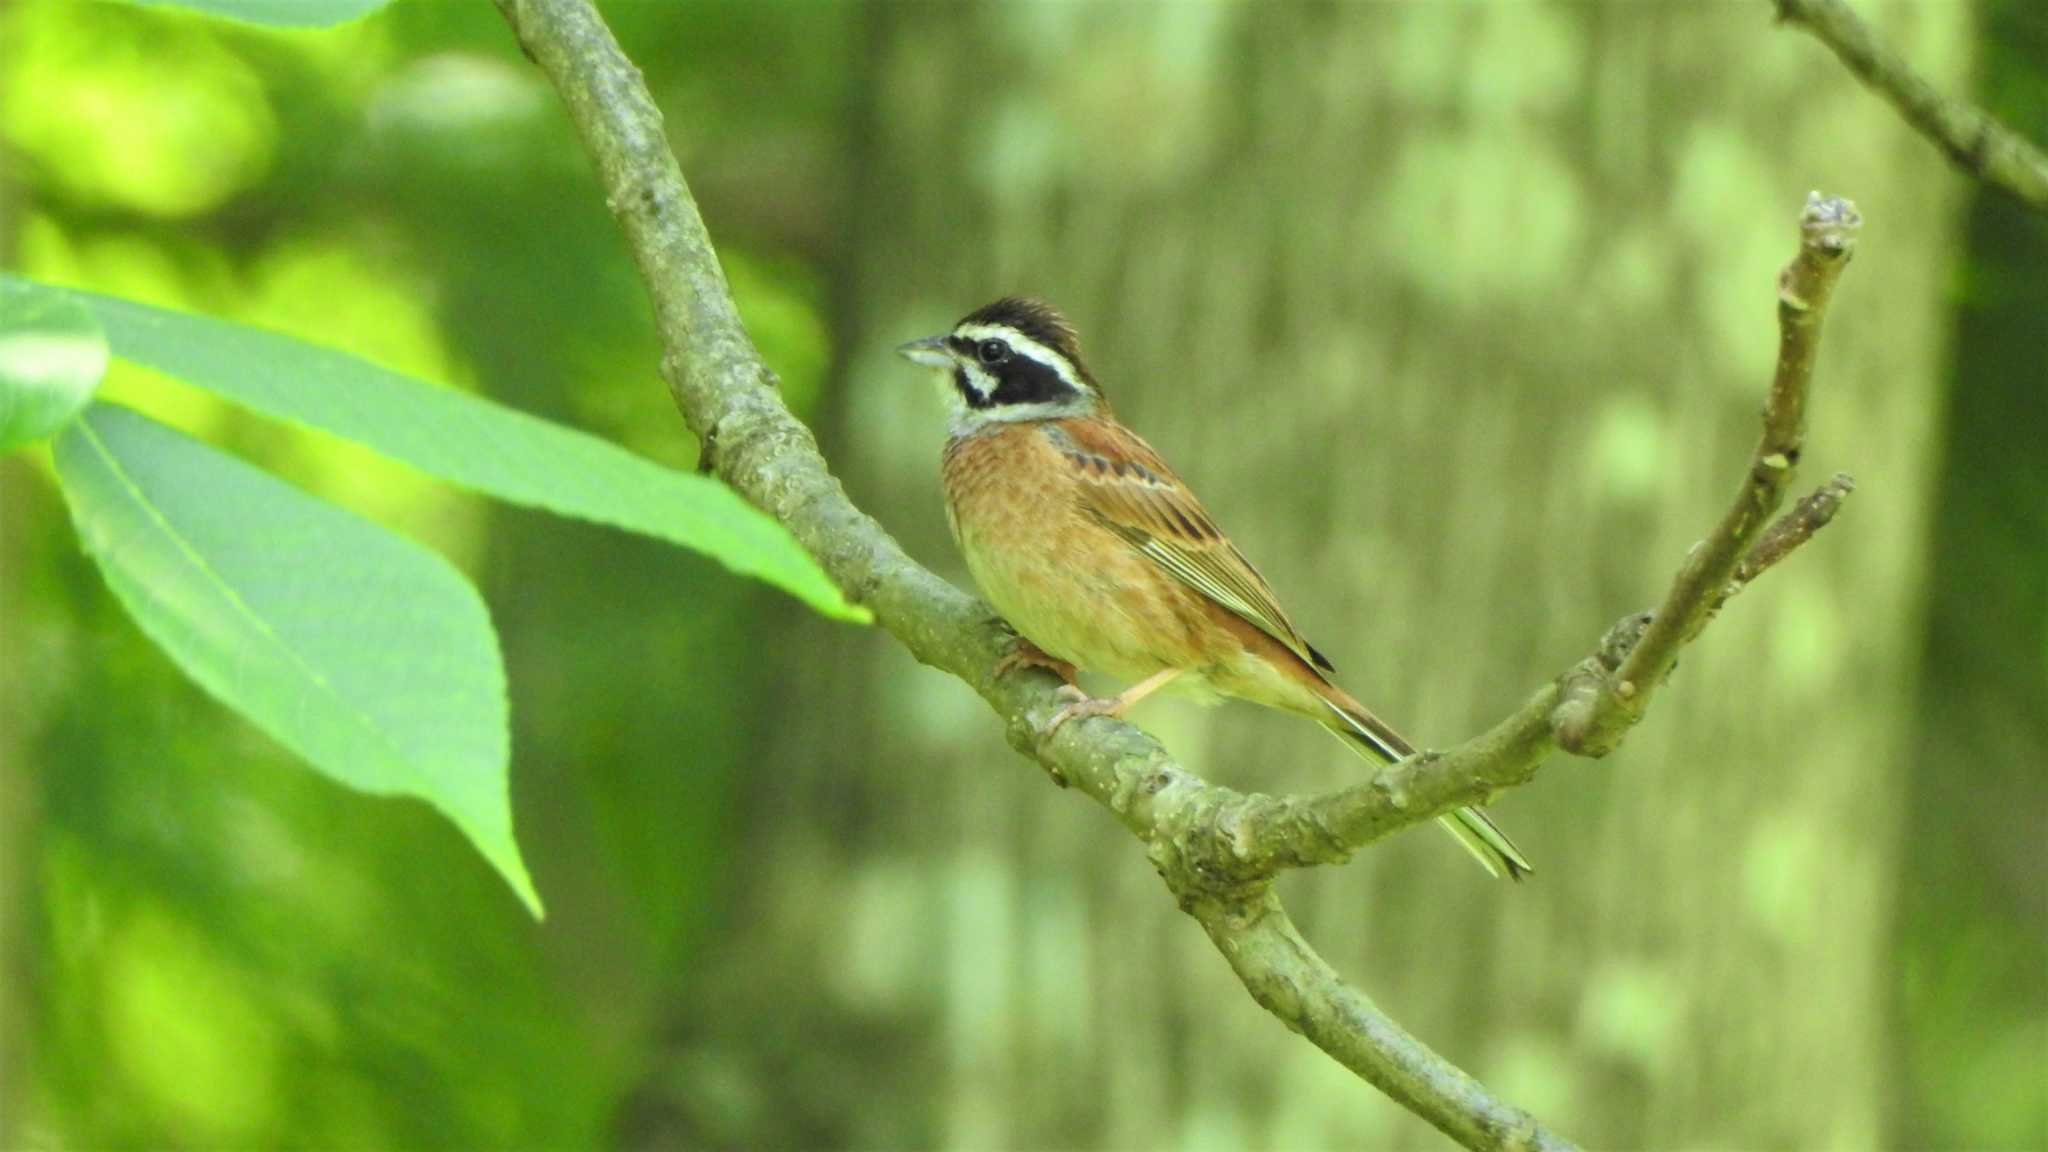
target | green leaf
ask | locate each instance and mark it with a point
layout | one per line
(363, 652)
(52, 356)
(278, 13)
(464, 439)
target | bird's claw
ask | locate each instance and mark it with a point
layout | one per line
(1029, 655)
(1081, 704)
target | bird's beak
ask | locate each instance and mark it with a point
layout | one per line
(930, 352)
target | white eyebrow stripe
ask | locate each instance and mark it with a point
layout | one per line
(1028, 348)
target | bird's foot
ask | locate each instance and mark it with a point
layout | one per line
(1079, 704)
(1029, 655)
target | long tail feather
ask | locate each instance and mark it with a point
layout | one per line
(1365, 734)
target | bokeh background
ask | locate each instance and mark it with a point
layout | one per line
(1458, 316)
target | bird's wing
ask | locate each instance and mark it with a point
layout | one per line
(1127, 488)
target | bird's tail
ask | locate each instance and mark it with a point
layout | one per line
(1367, 735)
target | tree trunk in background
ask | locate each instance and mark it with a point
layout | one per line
(1974, 1000)
(1459, 319)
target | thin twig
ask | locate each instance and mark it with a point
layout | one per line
(1828, 230)
(1787, 532)
(1828, 227)
(1967, 135)
(1589, 709)
(1217, 849)
(1261, 835)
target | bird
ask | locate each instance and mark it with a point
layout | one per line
(1102, 559)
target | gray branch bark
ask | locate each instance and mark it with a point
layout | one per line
(1217, 849)
(1971, 139)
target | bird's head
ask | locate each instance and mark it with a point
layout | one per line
(1016, 359)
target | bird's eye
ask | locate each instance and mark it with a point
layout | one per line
(992, 351)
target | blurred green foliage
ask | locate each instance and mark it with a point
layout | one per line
(215, 948)
(52, 355)
(278, 13)
(346, 643)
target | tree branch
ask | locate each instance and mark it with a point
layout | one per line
(1813, 513)
(1291, 981)
(1972, 140)
(1217, 849)
(1827, 228)
(1589, 709)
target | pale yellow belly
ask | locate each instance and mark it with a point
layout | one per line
(1080, 613)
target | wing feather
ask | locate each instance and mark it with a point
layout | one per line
(1127, 488)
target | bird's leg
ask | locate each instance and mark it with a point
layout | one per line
(1029, 655)
(1112, 705)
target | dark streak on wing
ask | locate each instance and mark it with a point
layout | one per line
(1131, 491)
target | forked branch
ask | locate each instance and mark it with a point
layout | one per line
(1218, 849)
(1590, 708)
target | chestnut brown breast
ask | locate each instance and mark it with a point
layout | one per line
(1065, 582)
